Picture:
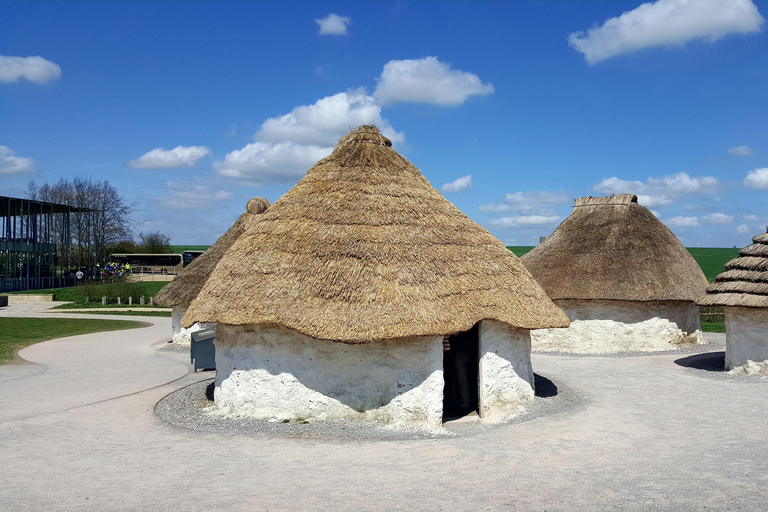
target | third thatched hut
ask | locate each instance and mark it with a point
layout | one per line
(622, 277)
(743, 290)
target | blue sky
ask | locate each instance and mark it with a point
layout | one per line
(512, 109)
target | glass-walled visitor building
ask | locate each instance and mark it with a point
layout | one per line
(35, 244)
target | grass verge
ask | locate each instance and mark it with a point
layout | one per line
(98, 305)
(22, 332)
(95, 291)
(167, 314)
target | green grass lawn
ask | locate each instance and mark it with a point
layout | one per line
(22, 332)
(712, 327)
(96, 291)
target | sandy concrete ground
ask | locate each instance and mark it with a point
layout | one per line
(78, 433)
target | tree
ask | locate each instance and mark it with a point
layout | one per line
(154, 243)
(107, 221)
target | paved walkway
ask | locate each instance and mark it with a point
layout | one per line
(79, 433)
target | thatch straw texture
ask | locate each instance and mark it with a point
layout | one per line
(185, 287)
(364, 249)
(745, 280)
(611, 248)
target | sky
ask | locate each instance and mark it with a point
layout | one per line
(511, 109)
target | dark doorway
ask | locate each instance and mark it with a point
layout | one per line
(460, 368)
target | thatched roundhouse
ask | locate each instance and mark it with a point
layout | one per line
(335, 304)
(179, 293)
(625, 281)
(743, 290)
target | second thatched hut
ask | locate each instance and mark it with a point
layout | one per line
(180, 292)
(337, 302)
(622, 277)
(743, 290)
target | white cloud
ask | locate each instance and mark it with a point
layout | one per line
(10, 164)
(327, 120)
(751, 217)
(717, 218)
(288, 145)
(660, 191)
(682, 222)
(266, 162)
(742, 229)
(615, 185)
(333, 25)
(655, 213)
(757, 178)
(34, 69)
(666, 23)
(180, 156)
(459, 185)
(524, 220)
(740, 151)
(526, 202)
(652, 201)
(427, 80)
(192, 195)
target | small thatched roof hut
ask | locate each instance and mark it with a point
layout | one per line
(180, 292)
(363, 252)
(743, 290)
(614, 264)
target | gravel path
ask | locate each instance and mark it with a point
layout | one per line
(637, 433)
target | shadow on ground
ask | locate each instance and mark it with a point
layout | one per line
(709, 361)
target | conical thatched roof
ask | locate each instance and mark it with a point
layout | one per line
(364, 249)
(611, 248)
(745, 280)
(185, 287)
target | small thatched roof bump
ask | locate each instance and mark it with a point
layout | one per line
(257, 205)
(745, 280)
(614, 200)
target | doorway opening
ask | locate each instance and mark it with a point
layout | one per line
(460, 371)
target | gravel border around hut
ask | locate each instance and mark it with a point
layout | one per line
(186, 407)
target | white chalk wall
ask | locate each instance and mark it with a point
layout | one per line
(181, 336)
(746, 336)
(505, 375)
(609, 327)
(277, 373)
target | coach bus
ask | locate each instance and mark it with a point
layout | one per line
(151, 263)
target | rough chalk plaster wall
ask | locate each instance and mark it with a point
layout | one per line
(181, 336)
(609, 327)
(746, 336)
(505, 373)
(274, 372)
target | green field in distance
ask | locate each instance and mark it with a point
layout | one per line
(710, 259)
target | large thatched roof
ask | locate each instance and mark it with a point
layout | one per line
(611, 248)
(745, 280)
(190, 281)
(364, 249)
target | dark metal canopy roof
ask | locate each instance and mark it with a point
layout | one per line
(12, 206)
